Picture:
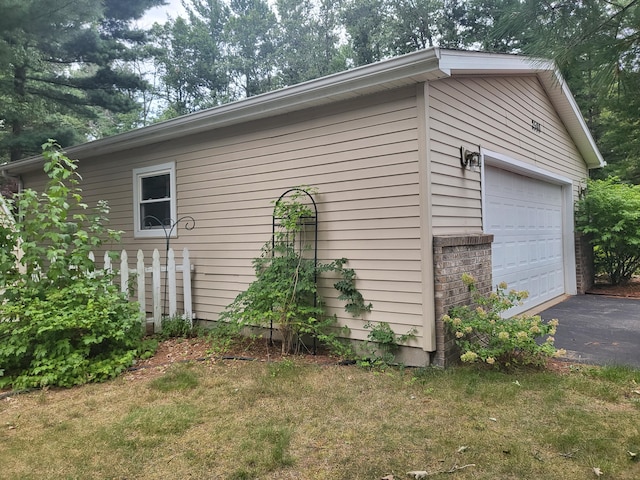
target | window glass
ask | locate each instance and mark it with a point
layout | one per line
(156, 186)
(154, 214)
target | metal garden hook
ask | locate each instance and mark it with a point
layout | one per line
(168, 226)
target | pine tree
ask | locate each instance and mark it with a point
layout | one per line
(60, 61)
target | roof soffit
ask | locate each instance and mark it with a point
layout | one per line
(417, 67)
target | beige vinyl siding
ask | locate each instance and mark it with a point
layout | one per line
(494, 113)
(362, 156)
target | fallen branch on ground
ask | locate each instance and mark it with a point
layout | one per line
(418, 474)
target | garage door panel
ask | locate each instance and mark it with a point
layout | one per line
(533, 250)
(525, 217)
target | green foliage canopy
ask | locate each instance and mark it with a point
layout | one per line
(609, 213)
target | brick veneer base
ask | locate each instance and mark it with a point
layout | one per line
(453, 256)
(585, 272)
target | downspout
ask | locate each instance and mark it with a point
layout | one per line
(16, 178)
(5, 174)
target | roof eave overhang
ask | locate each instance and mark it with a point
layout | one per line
(409, 69)
(417, 67)
(571, 116)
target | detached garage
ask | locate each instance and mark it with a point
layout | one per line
(428, 166)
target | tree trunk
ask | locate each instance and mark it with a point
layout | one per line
(19, 87)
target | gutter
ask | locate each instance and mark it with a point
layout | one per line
(412, 68)
(385, 75)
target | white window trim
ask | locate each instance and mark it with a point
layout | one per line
(138, 174)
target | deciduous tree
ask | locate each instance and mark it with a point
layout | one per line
(308, 40)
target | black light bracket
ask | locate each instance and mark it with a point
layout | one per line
(469, 160)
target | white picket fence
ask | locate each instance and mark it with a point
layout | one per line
(157, 269)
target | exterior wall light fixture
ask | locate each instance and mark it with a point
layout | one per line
(469, 160)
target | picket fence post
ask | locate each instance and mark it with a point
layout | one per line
(124, 272)
(155, 291)
(142, 298)
(107, 263)
(186, 286)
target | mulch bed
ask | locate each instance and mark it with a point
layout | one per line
(181, 350)
(630, 290)
(184, 350)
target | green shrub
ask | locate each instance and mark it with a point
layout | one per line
(382, 345)
(61, 321)
(609, 213)
(483, 335)
(178, 327)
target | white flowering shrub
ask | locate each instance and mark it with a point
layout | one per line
(484, 336)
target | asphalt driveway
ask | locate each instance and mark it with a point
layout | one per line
(598, 329)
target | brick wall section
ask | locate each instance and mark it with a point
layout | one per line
(585, 272)
(453, 256)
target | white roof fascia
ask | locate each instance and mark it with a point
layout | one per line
(420, 66)
(385, 75)
(568, 110)
(482, 63)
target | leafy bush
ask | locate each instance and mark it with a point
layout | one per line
(61, 321)
(382, 345)
(285, 291)
(609, 213)
(178, 327)
(484, 336)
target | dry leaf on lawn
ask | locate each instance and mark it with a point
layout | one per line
(418, 474)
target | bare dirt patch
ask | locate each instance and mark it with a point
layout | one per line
(177, 350)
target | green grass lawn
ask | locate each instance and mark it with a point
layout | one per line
(288, 420)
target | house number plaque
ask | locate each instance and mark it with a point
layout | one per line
(536, 126)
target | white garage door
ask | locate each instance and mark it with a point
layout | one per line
(525, 216)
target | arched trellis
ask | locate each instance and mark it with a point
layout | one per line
(168, 226)
(308, 220)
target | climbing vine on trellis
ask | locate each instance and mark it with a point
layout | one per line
(285, 292)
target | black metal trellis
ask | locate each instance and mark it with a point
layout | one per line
(168, 226)
(308, 220)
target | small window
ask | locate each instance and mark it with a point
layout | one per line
(154, 199)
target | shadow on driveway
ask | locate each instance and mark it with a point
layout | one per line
(598, 329)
